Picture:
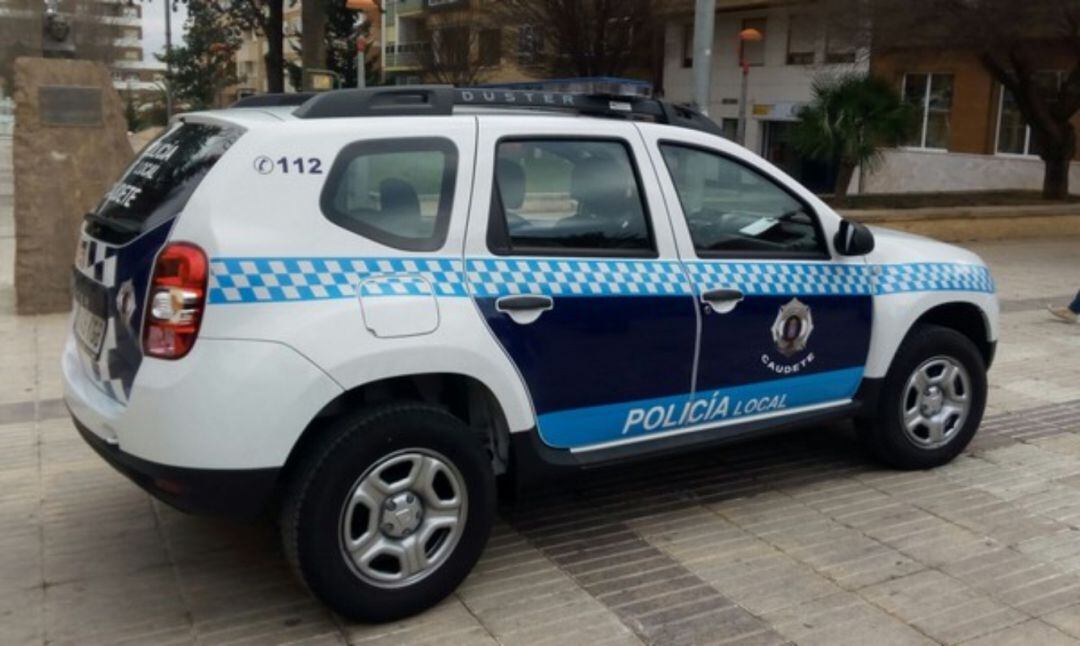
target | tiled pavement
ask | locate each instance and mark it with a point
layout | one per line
(794, 539)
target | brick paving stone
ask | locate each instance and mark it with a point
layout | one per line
(1067, 620)
(942, 607)
(842, 618)
(1025, 634)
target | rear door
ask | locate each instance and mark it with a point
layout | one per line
(785, 327)
(571, 260)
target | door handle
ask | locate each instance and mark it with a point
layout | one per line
(722, 300)
(524, 309)
(523, 303)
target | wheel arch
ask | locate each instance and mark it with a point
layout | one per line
(975, 315)
(967, 319)
(464, 396)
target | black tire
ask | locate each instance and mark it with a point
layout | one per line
(883, 431)
(312, 523)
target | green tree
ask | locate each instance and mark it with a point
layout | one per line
(203, 65)
(850, 119)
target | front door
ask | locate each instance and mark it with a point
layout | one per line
(572, 264)
(785, 328)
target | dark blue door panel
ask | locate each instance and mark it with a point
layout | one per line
(589, 352)
(741, 347)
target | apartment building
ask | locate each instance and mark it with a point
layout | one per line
(796, 47)
(970, 133)
(461, 32)
(251, 56)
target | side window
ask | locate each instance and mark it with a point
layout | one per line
(732, 208)
(569, 197)
(398, 192)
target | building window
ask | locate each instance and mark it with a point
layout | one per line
(528, 45)
(839, 47)
(688, 45)
(729, 128)
(1014, 136)
(753, 51)
(490, 46)
(802, 34)
(931, 95)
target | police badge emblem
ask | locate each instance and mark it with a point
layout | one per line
(125, 302)
(792, 327)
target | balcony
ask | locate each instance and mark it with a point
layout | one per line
(403, 7)
(403, 56)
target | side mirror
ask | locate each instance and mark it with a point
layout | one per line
(853, 239)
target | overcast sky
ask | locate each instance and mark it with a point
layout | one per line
(154, 27)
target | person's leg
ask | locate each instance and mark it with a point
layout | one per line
(1070, 314)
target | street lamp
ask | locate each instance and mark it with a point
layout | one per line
(749, 35)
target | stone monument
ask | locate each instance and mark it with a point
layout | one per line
(70, 145)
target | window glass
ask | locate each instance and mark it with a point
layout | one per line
(729, 128)
(688, 45)
(397, 192)
(931, 96)
(939, 104)
(568, 195)
(160, 180)
(1012, 131)
(731, 208)
(915, 95)
(839, 46)
(802, 30)
(490, 46)
(1014, 135)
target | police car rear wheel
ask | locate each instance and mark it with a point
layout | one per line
(932, 400)
(391, 512)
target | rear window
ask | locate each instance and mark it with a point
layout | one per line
(398, 192)
(155, 187)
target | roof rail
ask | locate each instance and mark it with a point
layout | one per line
(434, 100)
(272, 100)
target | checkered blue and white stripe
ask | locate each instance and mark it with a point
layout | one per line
(98, 261)
(491, 277)
(783, 278)
(936, 276)
(257, 280)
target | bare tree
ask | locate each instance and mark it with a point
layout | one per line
(452, 53)
(585, 37)
(1017, 42)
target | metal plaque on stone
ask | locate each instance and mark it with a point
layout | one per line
(70, 105)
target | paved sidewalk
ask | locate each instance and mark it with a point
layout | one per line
(796, 539)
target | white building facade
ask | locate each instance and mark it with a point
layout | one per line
(796, 48)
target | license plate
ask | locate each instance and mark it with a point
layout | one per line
(90, 329)
(91, 308)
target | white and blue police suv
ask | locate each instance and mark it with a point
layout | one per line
(357, 309)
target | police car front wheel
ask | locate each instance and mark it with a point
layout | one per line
(932, 400)
(390, 513)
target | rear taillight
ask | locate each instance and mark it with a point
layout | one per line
(175, 303)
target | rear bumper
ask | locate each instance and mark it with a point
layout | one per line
(235, 493)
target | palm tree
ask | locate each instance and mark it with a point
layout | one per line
(850, 119)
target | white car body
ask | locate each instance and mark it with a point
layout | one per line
(269, 358)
